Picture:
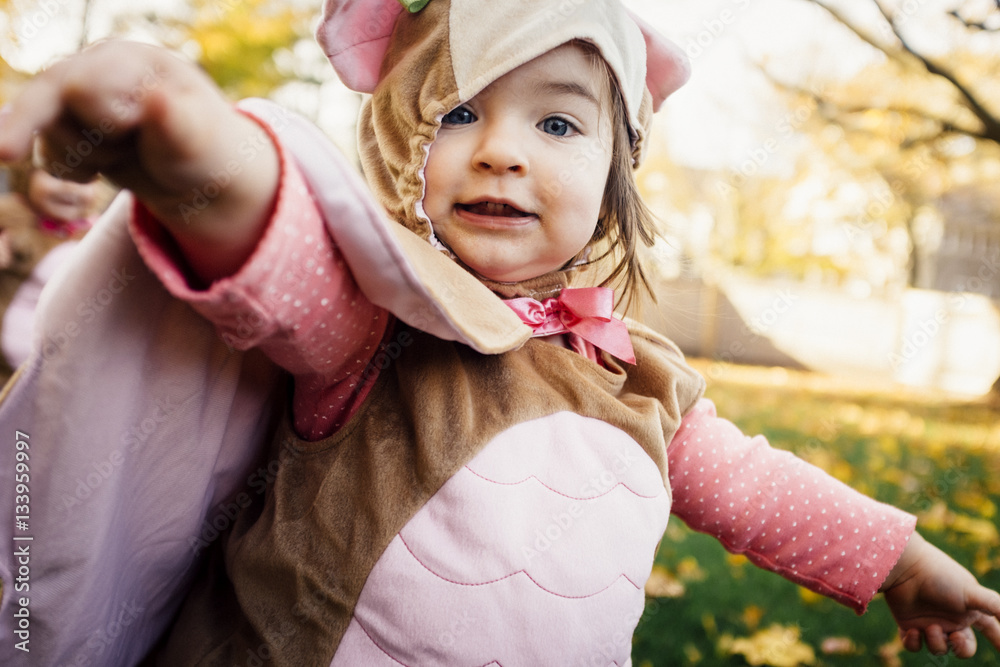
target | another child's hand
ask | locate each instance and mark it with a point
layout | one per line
(937, 601)
(157, 125)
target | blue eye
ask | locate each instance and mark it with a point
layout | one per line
(458, 116)
(557, 126)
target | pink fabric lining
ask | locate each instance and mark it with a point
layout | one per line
(354, 35)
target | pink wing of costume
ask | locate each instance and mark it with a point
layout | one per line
(138, 422)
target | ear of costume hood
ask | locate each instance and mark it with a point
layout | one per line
(355, 35)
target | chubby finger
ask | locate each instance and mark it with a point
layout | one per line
(912, 640)
(937, 641)
(963, 642)
(990, 627)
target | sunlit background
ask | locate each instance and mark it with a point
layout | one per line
(827, 184)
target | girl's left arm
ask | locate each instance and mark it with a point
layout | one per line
(792, 518)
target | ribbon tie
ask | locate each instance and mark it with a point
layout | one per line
(586, 311)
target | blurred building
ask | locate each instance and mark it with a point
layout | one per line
(965, 255)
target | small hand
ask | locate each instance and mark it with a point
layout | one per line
(158, 126)
(938, 602)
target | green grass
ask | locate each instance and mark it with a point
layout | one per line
(933, 455)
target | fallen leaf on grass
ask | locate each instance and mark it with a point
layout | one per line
(838, 646)
(889, 653)
(775, 646)
(662, 584)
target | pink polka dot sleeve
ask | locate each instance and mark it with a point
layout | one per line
(294, 299)
(784, 514)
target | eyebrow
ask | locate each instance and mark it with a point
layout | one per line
(568, 88)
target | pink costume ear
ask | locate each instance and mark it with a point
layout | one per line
(667, 66)
(354, 35)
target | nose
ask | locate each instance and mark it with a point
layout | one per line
(500, 151)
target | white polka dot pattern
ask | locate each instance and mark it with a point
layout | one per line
(784, 514)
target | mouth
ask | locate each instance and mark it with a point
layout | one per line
(495, 210)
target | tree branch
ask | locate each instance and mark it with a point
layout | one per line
(863, 36)
(973, 26)
(946, 126)
(991, 125)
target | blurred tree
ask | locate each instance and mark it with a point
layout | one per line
(925, 117)
(10, 78)
(236, 42)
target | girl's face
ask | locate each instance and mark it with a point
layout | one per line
(516, 176)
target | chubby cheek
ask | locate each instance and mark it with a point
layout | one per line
(436, 186)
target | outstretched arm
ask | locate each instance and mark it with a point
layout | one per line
(791, 518)
(937, 601)
(158, 126)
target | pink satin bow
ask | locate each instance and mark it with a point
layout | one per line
(586, 311)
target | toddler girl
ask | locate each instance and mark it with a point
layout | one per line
(478, 459)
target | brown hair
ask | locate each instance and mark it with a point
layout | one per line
(625, 219)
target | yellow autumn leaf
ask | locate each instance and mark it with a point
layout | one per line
(838, 646)
(808, 596)
(938, 517)
(775, 646)
(692, 654)
(662, 584)
(975, 502)
(752, 616)
(689, 570)
(889, 653)
(935, 518)
(980, 530)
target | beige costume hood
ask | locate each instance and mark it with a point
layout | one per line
(418, 66)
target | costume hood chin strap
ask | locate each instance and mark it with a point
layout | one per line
(586, 311)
